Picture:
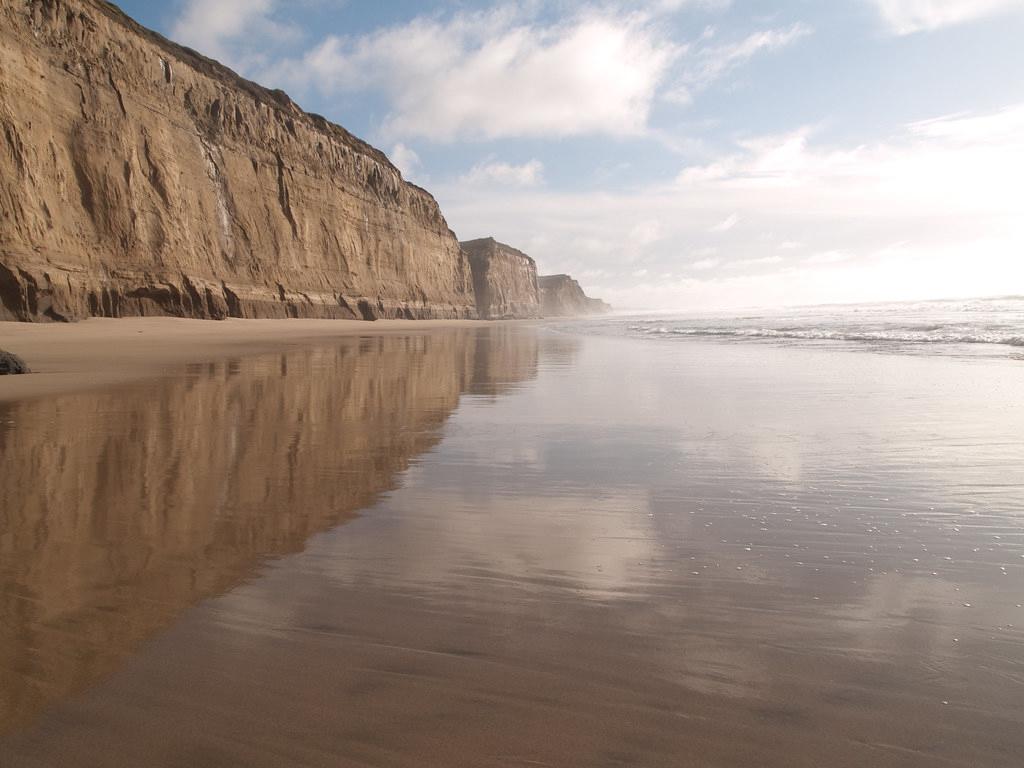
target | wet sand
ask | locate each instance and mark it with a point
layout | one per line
(505, 546)
(101, 351)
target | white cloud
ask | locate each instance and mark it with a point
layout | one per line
(498, 74)
(705, 264)
(947, 191)
(761, 261)
(529, 174)
(215, 28)
(596, 71)
(705, 63)
(405, 159)
(906, 17)
(646, 232)
(726, 224)
(827, 257)
(959, 164)
(670, 6)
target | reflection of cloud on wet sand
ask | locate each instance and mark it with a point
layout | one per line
(593, 547)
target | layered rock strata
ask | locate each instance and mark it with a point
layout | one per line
(561, 296)
(504, 280)
(138, 177)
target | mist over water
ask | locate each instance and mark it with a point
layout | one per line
(991, 327)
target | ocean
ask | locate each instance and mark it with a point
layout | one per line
(991, 327)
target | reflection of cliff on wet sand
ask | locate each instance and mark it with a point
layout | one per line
(123, 507)
(504, 357)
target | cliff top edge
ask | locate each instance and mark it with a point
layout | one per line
(275, 98)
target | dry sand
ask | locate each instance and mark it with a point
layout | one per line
(73, 357)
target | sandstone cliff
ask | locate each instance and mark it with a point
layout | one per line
(561, 296)
(504, 279)
(138, 177)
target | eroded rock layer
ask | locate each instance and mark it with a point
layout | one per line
(138, 178)
(504, 279)
(561, 296)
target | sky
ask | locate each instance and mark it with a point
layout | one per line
(678, 154)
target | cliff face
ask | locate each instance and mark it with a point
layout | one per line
(561, 296)
(137, 177)
(504, 279)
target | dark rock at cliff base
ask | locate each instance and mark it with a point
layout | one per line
(138, 177)
(504, 280)
(11, 364)
(561, 296)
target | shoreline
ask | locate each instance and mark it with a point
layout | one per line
(100, 352)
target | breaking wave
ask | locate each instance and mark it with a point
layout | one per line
(934, 335)
(936, 326)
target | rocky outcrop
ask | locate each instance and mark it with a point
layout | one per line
(11, 364)
(504, 280)
(561, 296)
(138, 177)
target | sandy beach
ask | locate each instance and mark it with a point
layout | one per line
(503, 544)
(103, 351)
(511, 384)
